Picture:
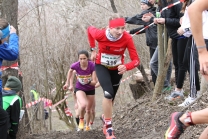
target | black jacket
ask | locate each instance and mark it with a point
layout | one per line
(12, 104)
(172, 17)
(151, 32)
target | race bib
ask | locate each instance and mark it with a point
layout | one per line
(110, 60)
(84, 79)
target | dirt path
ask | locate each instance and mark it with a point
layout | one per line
(59, 125)
(139, 119)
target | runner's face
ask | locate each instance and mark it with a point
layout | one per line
(83, 59)
(117, 31)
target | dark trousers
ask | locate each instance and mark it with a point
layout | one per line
(4, 119)
(178, 51)
(154, 77)
(186, 61)
(109, 80)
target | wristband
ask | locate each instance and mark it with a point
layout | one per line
(200, 47)
(186, 29)
(92, 49)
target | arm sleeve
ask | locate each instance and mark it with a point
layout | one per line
(73, 66)
(175, 21)
(14, 119)
(151, 19)
(135, 61)
(136, 30)
(137, 19)
(10, 51)
(93, 34)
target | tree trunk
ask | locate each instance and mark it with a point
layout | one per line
(161, 77)
(113, 6)
(9, 11)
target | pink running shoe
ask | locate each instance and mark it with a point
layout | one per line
(176, 128)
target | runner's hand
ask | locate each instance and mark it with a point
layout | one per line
(86, 81)
(203, 60)
(65, 87)
(121, 69)
(71, 88)
(93, 55)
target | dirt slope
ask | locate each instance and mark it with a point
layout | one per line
(138, 120)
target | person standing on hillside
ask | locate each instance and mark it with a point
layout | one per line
(85, 86)
(151, 39)
(34, 97)
(8, 51)
(179, 120)
(151, 32)
(191, 55)
(109, 62)
(171, 19)
(12, 103)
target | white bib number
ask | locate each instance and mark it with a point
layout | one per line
(84, 79)
(110, 60)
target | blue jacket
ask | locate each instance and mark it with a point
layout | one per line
(8, 51)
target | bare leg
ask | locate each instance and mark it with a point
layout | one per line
(107, 108)
(90, 102)
(82, 101)
(204, 134)
(198, 117)
(93, 113)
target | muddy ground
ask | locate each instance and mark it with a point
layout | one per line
(139, 119)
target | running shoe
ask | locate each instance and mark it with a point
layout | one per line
(91, 126)
(175, 95)
(165, 89)
(188, 101)
(104, 125)
(77, 129)
(199, 94)
(87, 128)
(176, 127)
(109, 134)
(81, 124)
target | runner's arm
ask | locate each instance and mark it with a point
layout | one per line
(69, 74)
(71, 82)
(94, 79)
(195, 14)
(133, 55)
(94, 34)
